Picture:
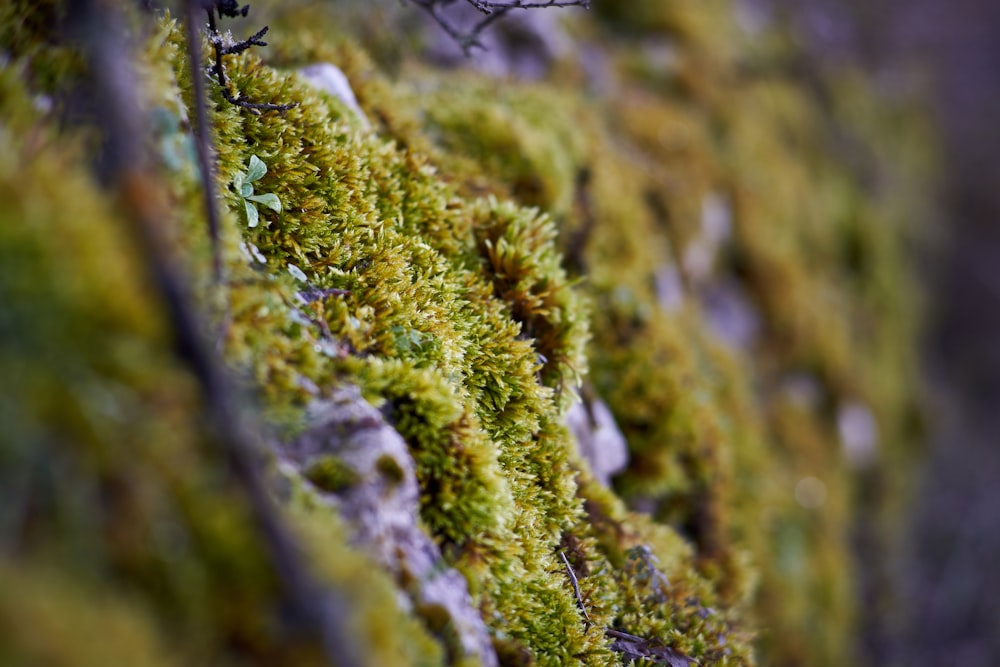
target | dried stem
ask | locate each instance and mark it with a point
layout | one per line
(576, 587)
(487, 7)
(468, 39)
(634, 648)
(203, 138)
(222, 47)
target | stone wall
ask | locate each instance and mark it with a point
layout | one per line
(601, 351)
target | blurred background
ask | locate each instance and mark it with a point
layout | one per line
(946, 54)
(949, 575)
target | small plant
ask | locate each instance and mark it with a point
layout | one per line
(243, 184)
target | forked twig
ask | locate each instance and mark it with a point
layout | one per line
(492, 10)
(224, 46)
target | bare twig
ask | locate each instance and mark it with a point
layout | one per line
(223, 46)
(230, 8)
(311, 294)
(468, 39)
(576, 587)
(252, 40)
(633, 648)
(487, 7)
(203, 135)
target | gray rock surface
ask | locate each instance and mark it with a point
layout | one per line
(598, 438)
(330, 79)
(369, 476)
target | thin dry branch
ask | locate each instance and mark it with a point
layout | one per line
(634, 648)
(576, 587)
(203, 137)
(223, 45)
(487, 7)
(468, 38)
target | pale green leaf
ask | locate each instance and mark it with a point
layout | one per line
(257, 169)
(252, 216)
(269, 200)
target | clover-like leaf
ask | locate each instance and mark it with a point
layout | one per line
(238, 182)
(246, 190)
(269, 200)
(256, 170)
(253, 218)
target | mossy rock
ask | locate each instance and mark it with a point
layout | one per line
(481, 254)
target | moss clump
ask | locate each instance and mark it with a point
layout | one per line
(389, 468)
(467, 264)
(118, 500)
(330, 474)
(719, 178)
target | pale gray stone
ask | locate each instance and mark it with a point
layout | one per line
(731, 314)
(330, 79)
(598, 438)
(858, 433)
(380, 503)
(669, 288)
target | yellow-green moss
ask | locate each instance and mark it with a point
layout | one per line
(812, 243)
(467, 263)
(135, 516)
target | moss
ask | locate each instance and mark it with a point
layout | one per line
(469, 340)
(51, 618)
(331, 474)
(390, 469)
(111, 475)
(468, 263)
(105, 404)
(712, 454)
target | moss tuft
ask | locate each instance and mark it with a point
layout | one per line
(482, 255)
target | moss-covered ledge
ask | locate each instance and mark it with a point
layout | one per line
(471, 257)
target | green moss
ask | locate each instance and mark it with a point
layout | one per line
(469, 339)
(468, 263)
(102, 438)
(390, 469)
(331, 474)
(712, 454)
(51, 618)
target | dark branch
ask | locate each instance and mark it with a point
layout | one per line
(634, 648)
(223, 48)
(489, 7)
(468, 39)
(576, 587)
(231, 8)
(203, 139)
(253, 40)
